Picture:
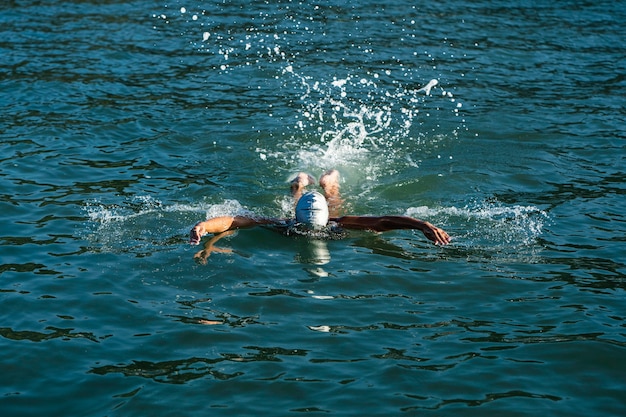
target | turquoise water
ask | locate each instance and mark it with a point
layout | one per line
(125, 123)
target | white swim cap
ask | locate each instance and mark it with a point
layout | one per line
(312, 210)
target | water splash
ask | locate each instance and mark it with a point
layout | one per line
(489, 225)
(144, 224)
(375, 120)
(142, 206)
(426, 89)
(365, 122)
(370, 118)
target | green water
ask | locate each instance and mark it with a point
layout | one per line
(125, 123)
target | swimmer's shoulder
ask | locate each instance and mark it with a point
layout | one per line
(280, 224)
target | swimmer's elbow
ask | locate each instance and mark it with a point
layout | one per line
(387, 223)
(375, 224)
(244, 222)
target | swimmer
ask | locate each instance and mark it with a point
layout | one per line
(314, 212)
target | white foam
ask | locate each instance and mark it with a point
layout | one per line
(359, 121)
(489, 223)
(139, 206)
(359, 118)
(142, 221)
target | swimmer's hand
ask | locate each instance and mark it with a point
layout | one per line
(435, 234)
(222, 224)
(196, 234)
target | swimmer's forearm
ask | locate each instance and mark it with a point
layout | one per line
(386, 223)
(380, 223)
(403, 222)
(222, 224)
(216, 225)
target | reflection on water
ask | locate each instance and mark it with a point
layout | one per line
(125, 123)
(54, 333)
(313, 251)
(173, 372)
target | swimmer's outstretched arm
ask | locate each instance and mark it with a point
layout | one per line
(386, 223)
(223, 224)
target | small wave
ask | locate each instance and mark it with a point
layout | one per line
(489, 224)
(143, 223)
(140, 206)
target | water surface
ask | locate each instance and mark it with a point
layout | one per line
(125, 123)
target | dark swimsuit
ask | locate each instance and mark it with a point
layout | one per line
(331, 231)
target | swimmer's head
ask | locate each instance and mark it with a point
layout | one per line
(312, 210)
